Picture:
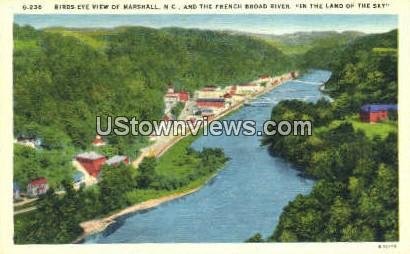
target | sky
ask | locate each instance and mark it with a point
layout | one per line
(265, 24)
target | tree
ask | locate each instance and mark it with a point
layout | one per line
(115, 182)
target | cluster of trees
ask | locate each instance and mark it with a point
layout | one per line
(62, 82)
(355, 197)
(32, 163)
(364, 71)
(57, 217)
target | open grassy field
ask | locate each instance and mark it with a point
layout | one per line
(370, 129)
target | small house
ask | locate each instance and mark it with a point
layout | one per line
(92, 162)
(37, 187)
(98, 141)
(373, 113)
(29, 142)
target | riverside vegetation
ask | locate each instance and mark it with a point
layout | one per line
(63, 78)
(355, 197)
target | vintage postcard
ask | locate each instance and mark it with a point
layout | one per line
(203, 127)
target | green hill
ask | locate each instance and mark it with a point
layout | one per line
(64, 77)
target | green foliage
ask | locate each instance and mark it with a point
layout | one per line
(64, 78)
(32, 163)
(177, 109)
(146, 172)
(56, 219)
(349, 158)
(116, 181)
(350, 202)
(257, 238)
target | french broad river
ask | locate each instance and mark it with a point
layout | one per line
(246, 197)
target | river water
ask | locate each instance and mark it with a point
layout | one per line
(246, 197)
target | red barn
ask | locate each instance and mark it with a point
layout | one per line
(210, 102)
(376, 112)
(92, 162)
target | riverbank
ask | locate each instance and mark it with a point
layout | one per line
(98, 225)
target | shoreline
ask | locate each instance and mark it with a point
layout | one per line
(95, 226)
(98, 225)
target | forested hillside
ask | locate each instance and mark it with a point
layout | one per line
(64, 78)
(355, 197)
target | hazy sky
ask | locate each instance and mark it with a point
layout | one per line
(267, 24)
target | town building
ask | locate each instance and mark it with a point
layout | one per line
(98, 141)
(78, 180)
(37, 187)
(373, 113)
(91, 162)
(171, 98)
(210, 102)
(117, 160)
(248, 88)
(210, 92)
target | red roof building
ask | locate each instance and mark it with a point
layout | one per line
(92, 162)
(210, 103)
(183, 96)
(376, 112)
(179, 96)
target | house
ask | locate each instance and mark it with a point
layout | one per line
(210, 102)
(171, 96)
(117, 160)
(98, 141)
(16, 191)
(210, 92)
(78, 180)
(29, 142)
(373, 113)
(209, 88)
(91, 162)
(247, 88)
(37, 187)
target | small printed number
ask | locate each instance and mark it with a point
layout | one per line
(32, 7)
(387, 246)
